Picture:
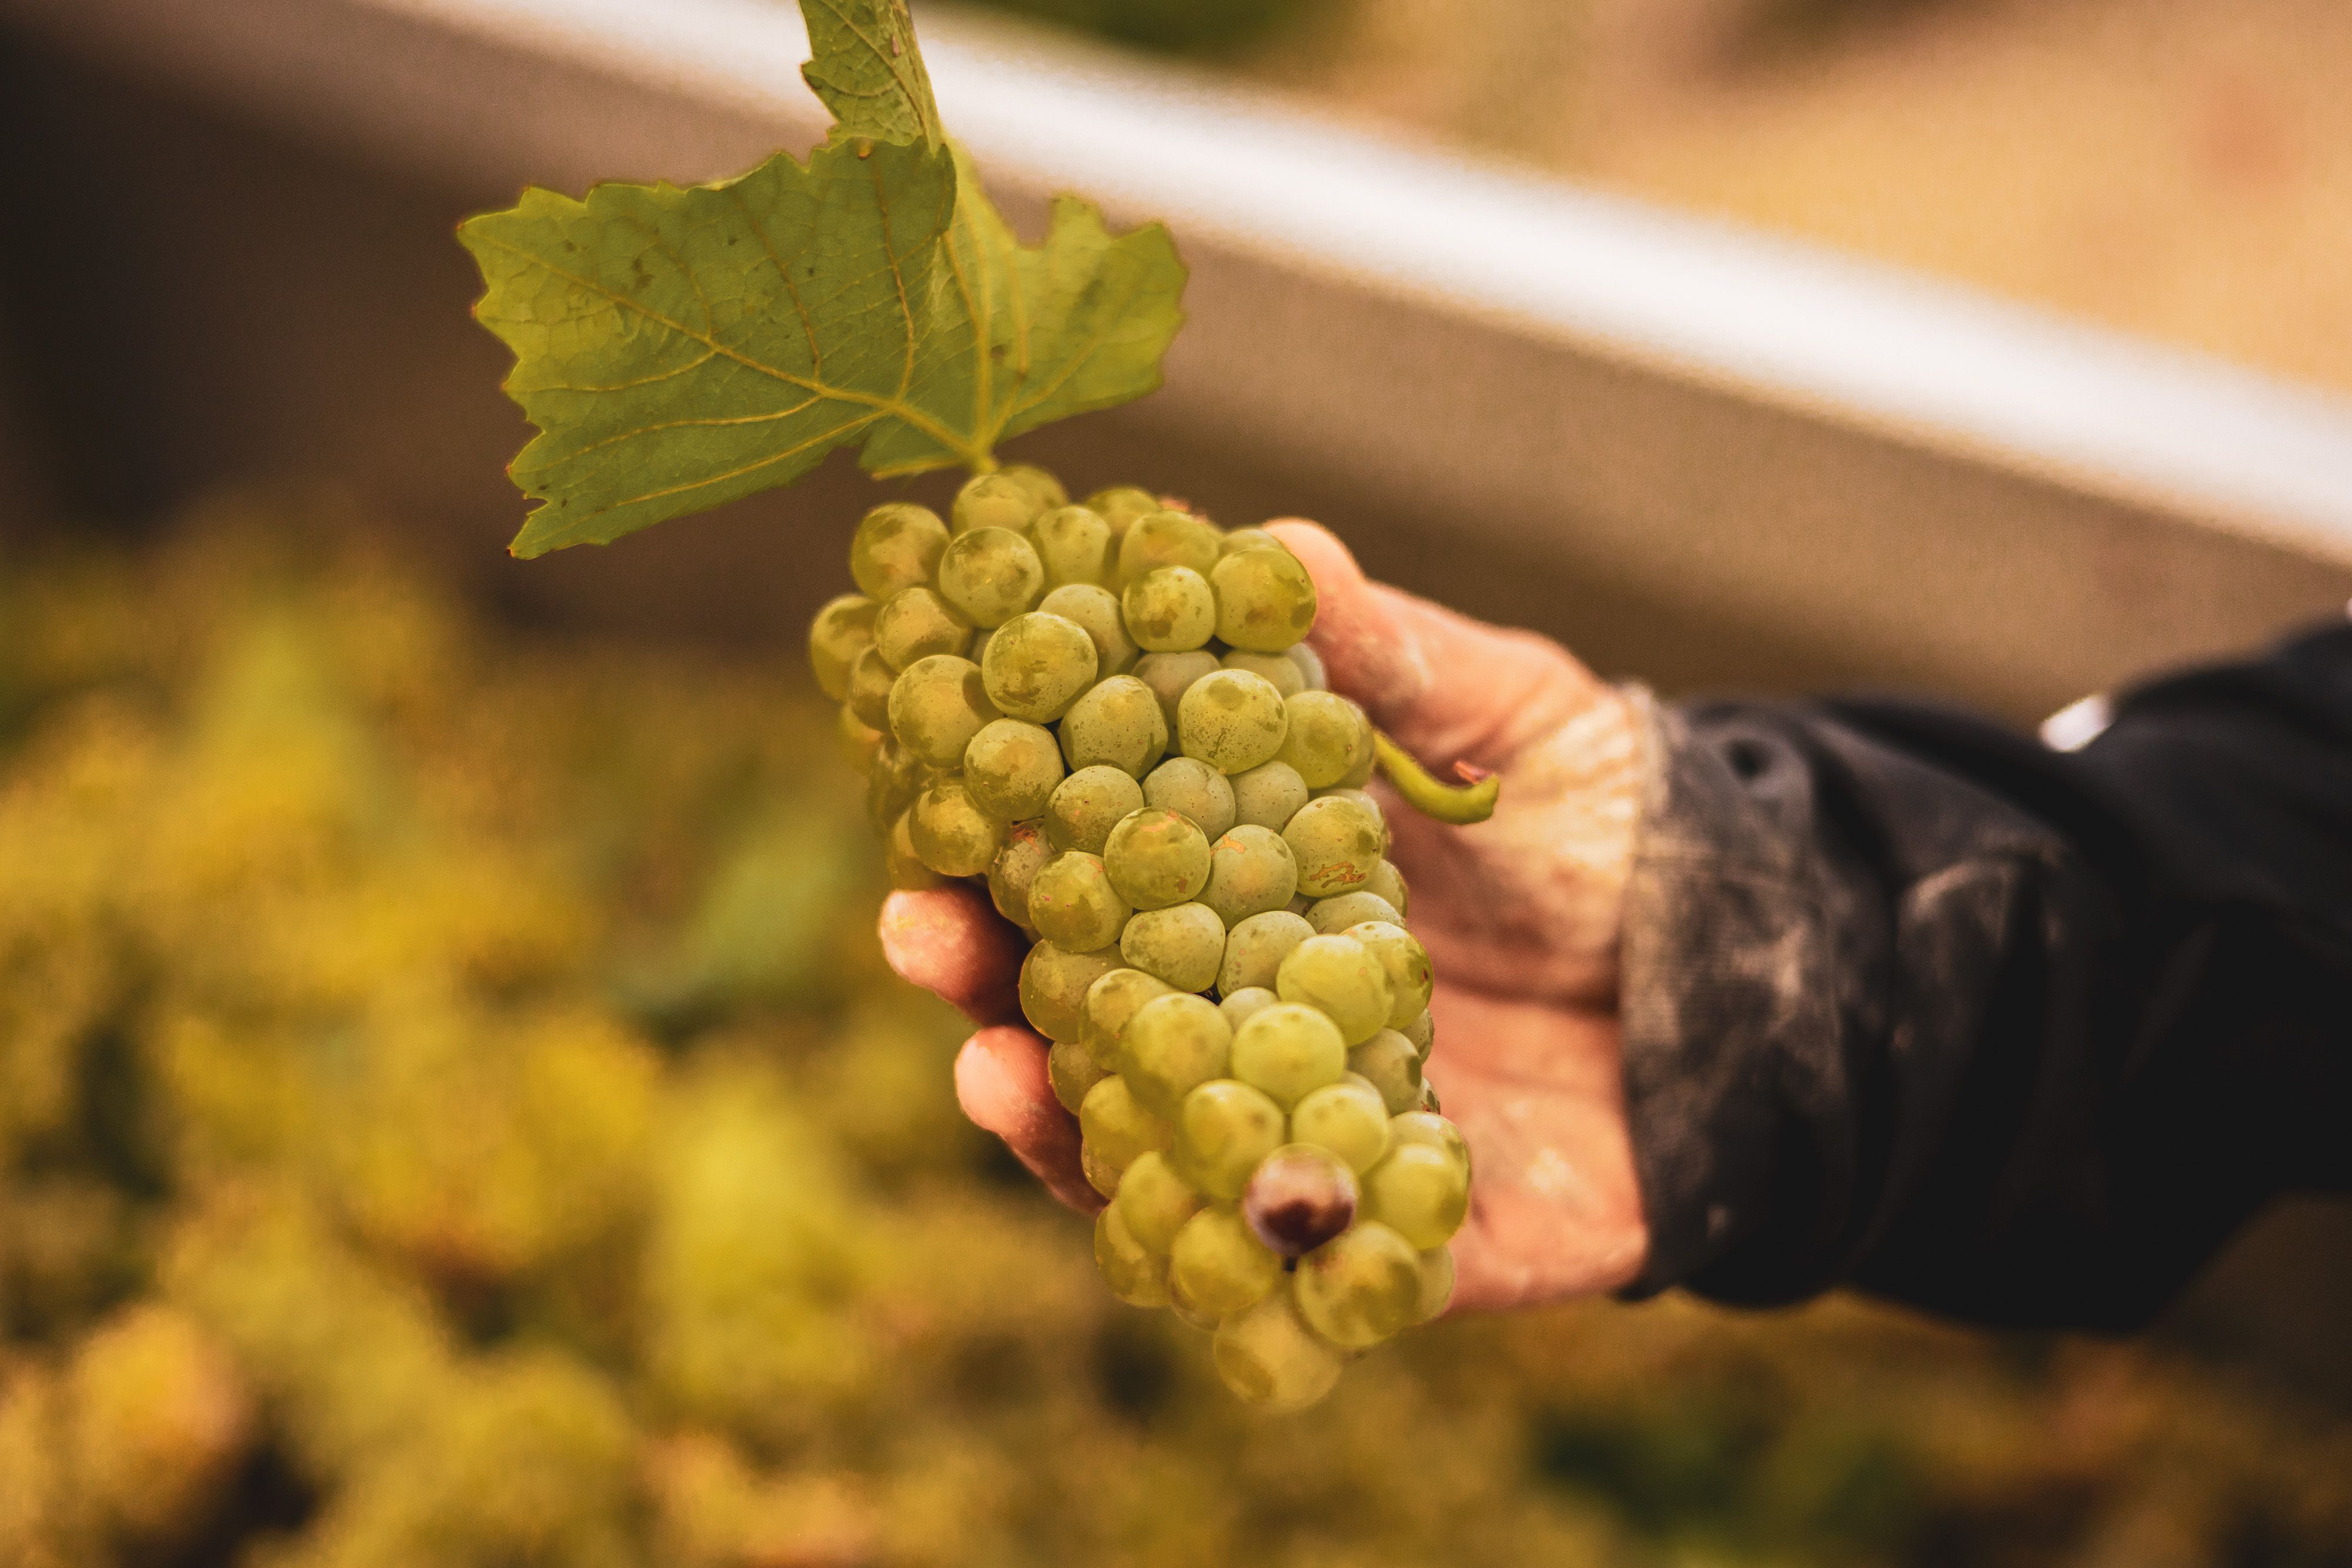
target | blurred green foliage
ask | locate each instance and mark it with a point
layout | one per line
(452, 1112)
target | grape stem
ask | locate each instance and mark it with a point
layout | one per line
(1460, 805)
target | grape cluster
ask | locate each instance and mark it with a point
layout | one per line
(1109, 713)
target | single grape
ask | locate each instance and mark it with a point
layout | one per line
(1231, 720)
(1072, 905)
(891, 784)
(1026, 849)
(1310, 668)
(1117, 723)
(1436, 1284)
(1187, 1312)
(1054, 982)
(1339, 977)
(1428, 1127)
(994, 501)
(1172, 1045)
(1117, 1126)
(1011, 768)
(1269, 1358)
(859, 741)
(1239, 1005)
(1037, 482)
(1299, 1197)
(1389, 1063)
(1241, 539)
(1349, 1118)
(1251, 872)
(1358, 1288)
(1038, 665)
(1265, 600)
(1182, 945)
(1100, 1174)
(1387, 881)
(1072, 1071)
(870, 681)
(842, 630)
(1222, 1130)
(1218, 1265)
(1366, 800)
(1155, 1202)
(991, 574)
(1268, 795)
(1404, 961)
(915, 622)
(1422, 1032)
(897, 546)
(1165, 539)
(1326, 737)
(1157, 858)
(1097, 609)
(937, 705)
(900, 863)
(1277, 670)
(1074, 545)
(1111, 1004)
(1419, 1193)
(1288, 1051)
(1168, 610)
(1337, 913)
(1170, 675)
(1194, 790)
(1135, 1274)
(1086, 806)
(950, 832)
(1338, 844)
(1256, 947)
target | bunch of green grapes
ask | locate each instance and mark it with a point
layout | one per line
(1108, 712)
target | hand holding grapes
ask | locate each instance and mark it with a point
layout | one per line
(1519, 915)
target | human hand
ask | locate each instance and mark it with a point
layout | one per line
(1519, 914)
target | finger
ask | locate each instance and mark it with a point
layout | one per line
(1444, 687)
(951, 941)
(1000, 1083)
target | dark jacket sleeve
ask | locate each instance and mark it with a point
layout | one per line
(1917, 1004)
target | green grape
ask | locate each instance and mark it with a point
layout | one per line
(937, 705)
(1256, 947)
(1165, 539)
(1120, 506)
(1422, 1032)
(1428, 1127)
(1389, 1063)
(1136, 1275)
(1084, 806)
(1011, 768)
(1072, 1070)
(1436, 1284)
(1366, 800)
(1115, 1124)
(1241, 539)
(1406, 963)
(1349, 1118)
(1155, 1202)
(1327, 738)
(1039, 483)
(1111, 1004)
(1037, 666)
(1116, 724)
(1336, 914)
(1338, 844)
(1222, 1130)
(1231, 720)
(994, 501)
(1251, 872)
(1310, 668)
(1387, 881)
(1299, 1197)
(1419, 1193)
(1072, 905)
(1358, 1288)
(1269, 1358)
(1026, 849)
(1074, 545)
(1268, 795)
(915, 622)
(897, 546)
(1288, 1051)
(1277, 670)
(1172, 1045)
(1054, 982)
(1194, 790)
(1265, 600)
(891, 784)
(1182, 945)
(950, 832)
(859, 742)
(1170, 675)
(1156, 859)
(871, 679)
(1239, 1005)
(1218, 1266)
(1360, 769)
(1100, 1174)
(1339, 977)
(1187, 1312)
(842, 630)
(1170, 609)
(991, 574)
(1096, 610)
(900, 864)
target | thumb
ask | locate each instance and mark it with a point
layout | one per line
(1444, 687)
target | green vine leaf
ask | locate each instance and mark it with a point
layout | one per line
(865, 66)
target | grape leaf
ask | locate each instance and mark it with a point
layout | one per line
(864, 64)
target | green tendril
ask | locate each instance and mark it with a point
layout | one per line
(1460, 804)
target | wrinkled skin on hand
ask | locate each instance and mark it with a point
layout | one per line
(1519, 914)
